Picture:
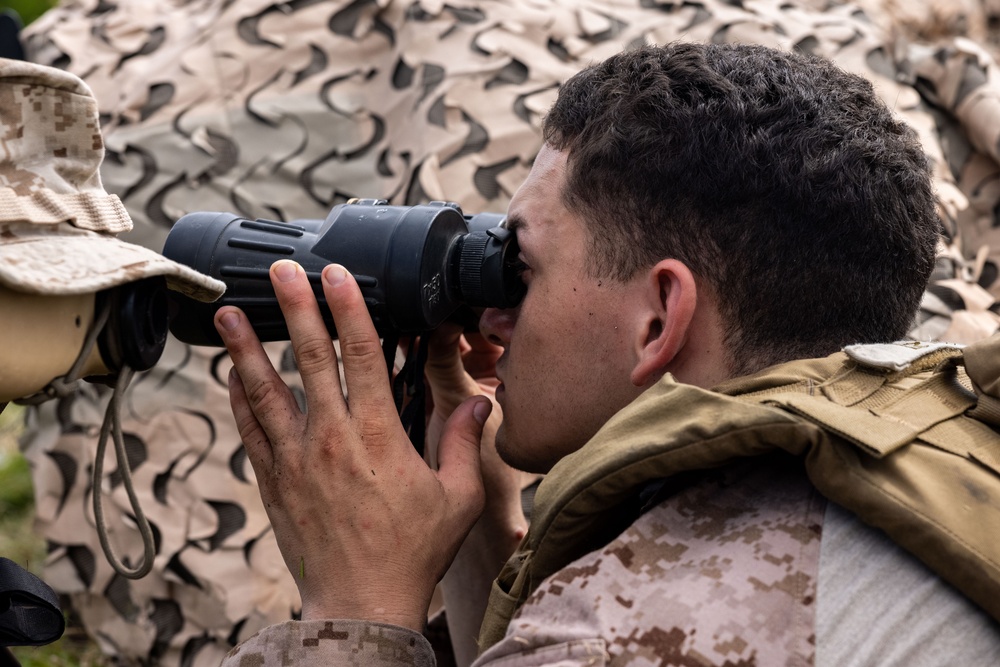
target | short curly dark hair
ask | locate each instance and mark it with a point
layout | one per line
(783, 182)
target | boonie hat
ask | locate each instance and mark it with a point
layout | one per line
(57, 223)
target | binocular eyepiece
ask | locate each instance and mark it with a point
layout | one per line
(416, 265)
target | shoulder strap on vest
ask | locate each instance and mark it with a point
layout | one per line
(912, 448)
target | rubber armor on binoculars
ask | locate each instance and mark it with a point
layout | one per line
(416, 265)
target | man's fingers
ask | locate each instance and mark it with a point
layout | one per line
(311, 342)
(444, 360)
(364, 365)
(267, 395)
(459, 453)
(251, 433)
(444, 339)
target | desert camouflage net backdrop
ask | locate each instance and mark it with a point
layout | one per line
(282, 109)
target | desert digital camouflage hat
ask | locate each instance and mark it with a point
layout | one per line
(57, 224)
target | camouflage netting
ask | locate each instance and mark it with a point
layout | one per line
(283, 109)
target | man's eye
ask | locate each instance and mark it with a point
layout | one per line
(520, 268)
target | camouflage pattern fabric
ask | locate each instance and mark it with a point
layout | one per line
(283, 109)
(353, 643)
(960, 81)
(721, 572)
(946, 50)
(929, 21)
(58, 227)
(218, 576)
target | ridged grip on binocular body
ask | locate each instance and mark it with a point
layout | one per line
(416, 265)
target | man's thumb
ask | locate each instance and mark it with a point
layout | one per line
(459, 452)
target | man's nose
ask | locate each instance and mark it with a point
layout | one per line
(496, 325)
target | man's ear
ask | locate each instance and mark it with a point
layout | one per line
(671, 297)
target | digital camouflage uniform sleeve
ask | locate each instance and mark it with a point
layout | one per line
(281, 110)
(354, 643)
(722, 572)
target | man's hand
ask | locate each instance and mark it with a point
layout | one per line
(458, 367)
(365, 527)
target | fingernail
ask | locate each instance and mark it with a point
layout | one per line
(335, 275)
(234, 376)
(285, 270)
(229, 320)
(482, 411)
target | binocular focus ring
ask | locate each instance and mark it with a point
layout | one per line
(470, 267)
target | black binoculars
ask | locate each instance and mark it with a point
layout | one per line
(416, 265)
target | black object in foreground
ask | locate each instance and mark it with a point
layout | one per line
(29, 609)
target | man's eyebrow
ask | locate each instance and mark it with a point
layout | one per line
(515, 223)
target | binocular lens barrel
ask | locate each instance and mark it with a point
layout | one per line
(136, 331)
(416, 265)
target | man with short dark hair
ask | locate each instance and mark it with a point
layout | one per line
(698, 213)
(731, 159)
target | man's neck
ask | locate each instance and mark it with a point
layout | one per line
(703, 361)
